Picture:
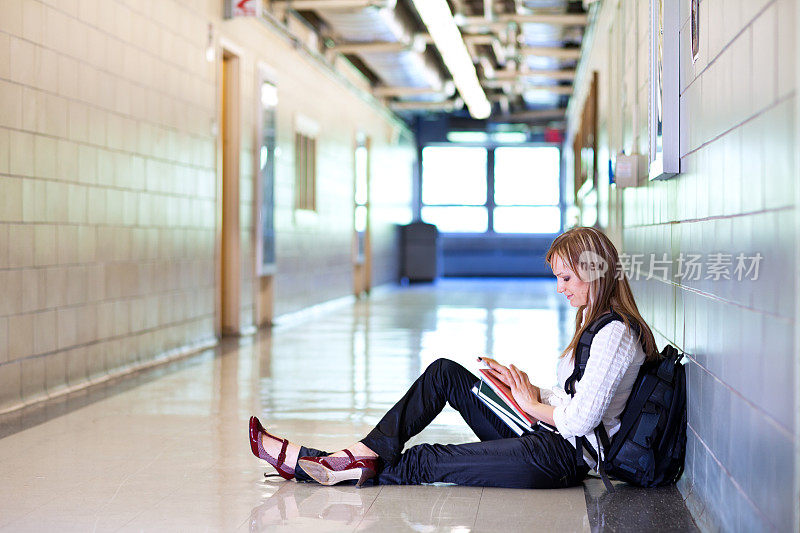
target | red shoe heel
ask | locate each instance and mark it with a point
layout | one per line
(256, 430)
(332, 470)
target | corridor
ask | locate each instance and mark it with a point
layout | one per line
(212, 210)
(167, 448)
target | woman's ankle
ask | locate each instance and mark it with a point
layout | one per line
(358, 449)
(273, 447)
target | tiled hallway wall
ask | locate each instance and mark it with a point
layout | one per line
(736, 193)
(313, 249)
(108, 184)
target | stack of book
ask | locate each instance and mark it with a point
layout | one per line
(497, 396)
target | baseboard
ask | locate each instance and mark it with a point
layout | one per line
(162, 358)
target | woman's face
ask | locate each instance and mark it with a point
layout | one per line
(567, 282)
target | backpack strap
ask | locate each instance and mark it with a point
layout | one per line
(581, 355)
(582, 351)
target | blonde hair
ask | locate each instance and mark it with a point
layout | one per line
(609, 290)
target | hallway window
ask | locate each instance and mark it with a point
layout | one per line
(453, 219)
(266, 237)
(526, 189)
(466, 190)
(361, 195)
(454, 188)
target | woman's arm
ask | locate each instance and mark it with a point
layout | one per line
(543, 412)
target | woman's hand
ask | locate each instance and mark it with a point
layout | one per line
(497, 370)
(524, 392)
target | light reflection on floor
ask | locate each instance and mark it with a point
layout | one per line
(172, 453)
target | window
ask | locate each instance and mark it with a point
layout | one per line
(522, 197)
(305, 157)
(454, 177)
(269, 102)
(457, 219)
(361, 195)
(526, 189)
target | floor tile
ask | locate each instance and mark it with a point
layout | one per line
(167, 449)
(543, 510)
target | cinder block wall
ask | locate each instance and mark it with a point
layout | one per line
(314, 250)
(108, 184)
(736, 193)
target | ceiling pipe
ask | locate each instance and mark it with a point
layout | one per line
(487, 39)
(552, 74)
(479, 38)
(447, 105)
(332, 5)
(501, 21)
(555, 89)
(551, 51)
(471, 50)
(372, 47)
(519, 86)
(486, 66)
(400, 92)
(481, 25)
(505, 105)
(499, 52)
(566, 19)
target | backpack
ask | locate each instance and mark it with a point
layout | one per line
(650, 446)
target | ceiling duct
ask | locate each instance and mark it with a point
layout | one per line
(543, 37)
(389, 50)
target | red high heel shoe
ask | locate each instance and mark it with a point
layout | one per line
(331, 470)
(256, 429)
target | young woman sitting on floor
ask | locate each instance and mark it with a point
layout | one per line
(540, 458)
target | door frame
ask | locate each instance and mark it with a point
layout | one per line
(228, 238)
(264, 276)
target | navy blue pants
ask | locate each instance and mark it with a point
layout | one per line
(538, 459)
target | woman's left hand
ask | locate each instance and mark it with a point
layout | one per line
(524, 392)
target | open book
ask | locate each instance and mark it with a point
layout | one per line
(497, 397)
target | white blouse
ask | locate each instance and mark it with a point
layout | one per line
(614, 360)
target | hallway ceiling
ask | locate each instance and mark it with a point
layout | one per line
(524, 53)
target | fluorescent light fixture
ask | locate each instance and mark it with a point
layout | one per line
(509, 137)
(467, 137)
(436, 16)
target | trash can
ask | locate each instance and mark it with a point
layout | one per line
(419, 251)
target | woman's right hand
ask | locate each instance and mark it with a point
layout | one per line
(499, 371)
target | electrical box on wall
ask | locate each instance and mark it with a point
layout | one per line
(628, 169)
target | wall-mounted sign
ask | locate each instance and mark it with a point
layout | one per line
(242, 8)
(664, 98)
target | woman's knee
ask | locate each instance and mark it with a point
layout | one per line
(443, 365)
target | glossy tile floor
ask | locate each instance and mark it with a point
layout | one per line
(167, 449)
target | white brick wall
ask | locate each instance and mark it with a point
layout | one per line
(736, 193)
(108, 183)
